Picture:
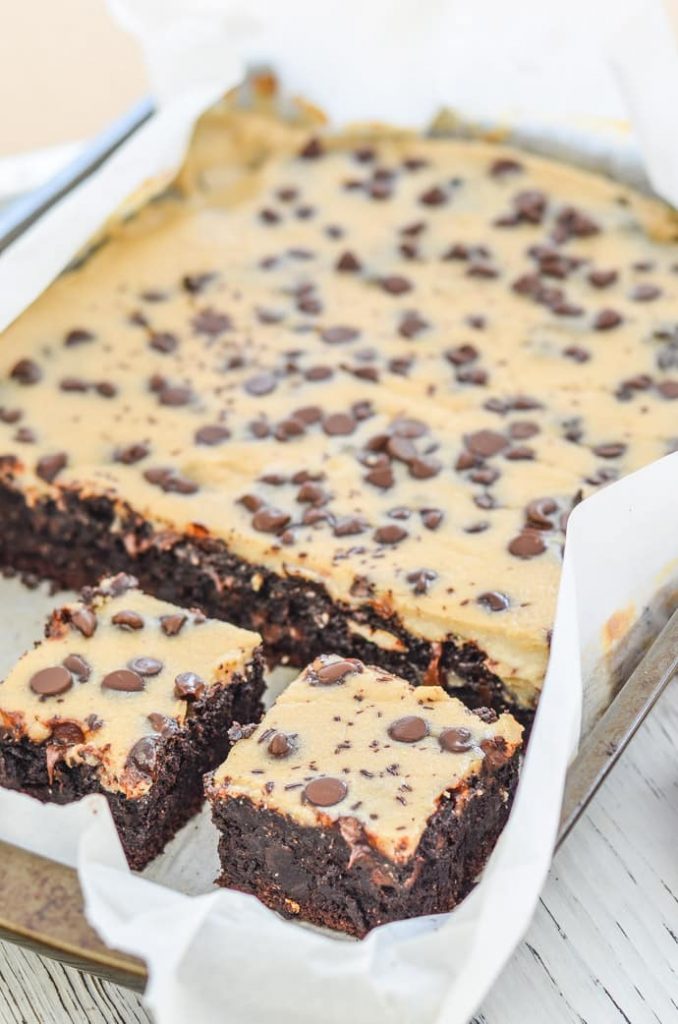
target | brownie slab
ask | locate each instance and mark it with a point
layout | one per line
(131, 697)
(360, 799)
(354, 382)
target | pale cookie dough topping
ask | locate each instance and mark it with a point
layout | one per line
(388, 365)
(347, 743)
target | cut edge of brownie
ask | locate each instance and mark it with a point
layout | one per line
(146, 824)
(333, 877)
(73, 539)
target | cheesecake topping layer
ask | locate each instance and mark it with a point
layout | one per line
(352, 743)
(391, 365)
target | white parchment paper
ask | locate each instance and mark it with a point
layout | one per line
(212, 954)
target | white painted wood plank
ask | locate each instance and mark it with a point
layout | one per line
(602, 949)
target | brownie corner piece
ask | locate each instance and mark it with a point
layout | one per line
(360, 800)
(130, 697)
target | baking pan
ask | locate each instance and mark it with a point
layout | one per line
(41, 905)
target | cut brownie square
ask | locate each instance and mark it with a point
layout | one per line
(360, 799)
(130, 697)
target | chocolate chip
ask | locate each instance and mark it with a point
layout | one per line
(308, 414)
(49, 682)
(312, 150)
(394, 284)
(49, 466)
(123, 679)
(348, 526)
(487, 715)
(485, 443)
(194, 284)
(348, 263)
(494, 601)
(401, 448)
(494, 749)
(212, 434)
(577, 354)
(519, 452)
(144, 756)
(409, 729)
(456, 741)
(175, 395)
(145, 666)
(503, 166)
(390, 534)
(338, 335)
(78, 666)
(613, 450)
(645, 293)
(433, 197)
(424, 467)
(431, 518)
(26, 372)
(473, 375)
(163, 341)
(325, 792)
(131, 454)
(381, 476)
(485, 501)
(84, 620)
(311, 492)
(162, 724)
(165, 478)
(315, 373)
(270, 520)
(421, 579)
(573, 223)
(412, 324)
(279, 745)
(486, 476)
(261, 384)
(602, 278)
(668, 389)
(406, 426)
(173, 624)
(332, 672)
(78, 336)
(339, 423)
(606, 319)
(530, 206)
(461, 354)
(189, 686)
(10, 415)
(73, 384)
(211, 322)
(67, 734)
(539, 513)
(128, 620)
(478, 527)
(527, 544)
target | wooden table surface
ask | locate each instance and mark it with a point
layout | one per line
(602, 949)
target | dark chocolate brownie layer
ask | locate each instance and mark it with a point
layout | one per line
(145, 824)
(333, 877)
(74, 540)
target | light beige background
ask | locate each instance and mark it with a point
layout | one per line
(66, 69)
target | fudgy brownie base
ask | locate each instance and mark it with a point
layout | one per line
(145, 825)
(74, 540)
(334, 878)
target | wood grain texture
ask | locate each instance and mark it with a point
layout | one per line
(602, 949)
